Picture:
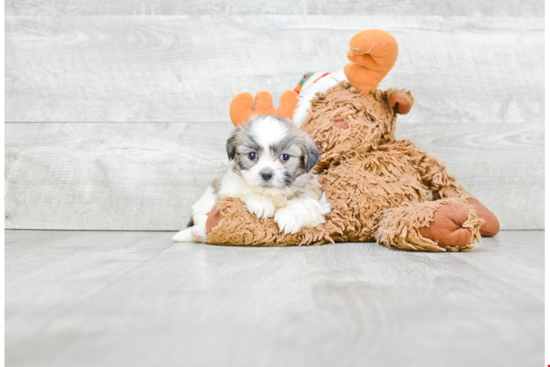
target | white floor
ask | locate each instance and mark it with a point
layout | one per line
(137, 299)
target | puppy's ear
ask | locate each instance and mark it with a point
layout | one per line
(231, 146)
(311, 153)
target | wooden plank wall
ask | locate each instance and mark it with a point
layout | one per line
(116, 111)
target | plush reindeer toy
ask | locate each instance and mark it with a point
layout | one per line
(379, 188)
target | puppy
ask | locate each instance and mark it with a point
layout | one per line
(270, 171)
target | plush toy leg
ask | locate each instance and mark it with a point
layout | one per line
(443, 185)
(441, 225)
(230, 223)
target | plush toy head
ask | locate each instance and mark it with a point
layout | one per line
(347, 122)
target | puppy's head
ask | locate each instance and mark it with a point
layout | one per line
(271, 152)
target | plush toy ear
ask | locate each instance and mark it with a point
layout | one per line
(400, 100)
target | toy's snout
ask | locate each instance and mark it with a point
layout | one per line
(341, 122)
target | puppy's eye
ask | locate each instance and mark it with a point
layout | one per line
(252, 156)
(285, 157)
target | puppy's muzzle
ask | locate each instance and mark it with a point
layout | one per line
(266, 174)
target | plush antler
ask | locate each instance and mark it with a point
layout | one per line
(244, 106)
(372, 54)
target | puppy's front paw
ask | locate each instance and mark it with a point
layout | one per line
(302, 213)
(260, 207)
(288, 221)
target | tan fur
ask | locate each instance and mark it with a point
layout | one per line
(380, 189)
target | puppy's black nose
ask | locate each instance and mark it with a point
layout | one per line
(266, 174)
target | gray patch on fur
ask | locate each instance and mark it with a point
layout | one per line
(216, 184)
(240, 144)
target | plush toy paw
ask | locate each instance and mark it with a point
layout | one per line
(260, 207)
(214, 218)
(490, 226)
(446, 228)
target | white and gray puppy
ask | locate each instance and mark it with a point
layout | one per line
(270, 171)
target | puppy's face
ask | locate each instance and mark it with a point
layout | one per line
(271, 152)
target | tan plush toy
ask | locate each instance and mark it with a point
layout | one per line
(380, 189)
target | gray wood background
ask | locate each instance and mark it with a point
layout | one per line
(117, 111)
